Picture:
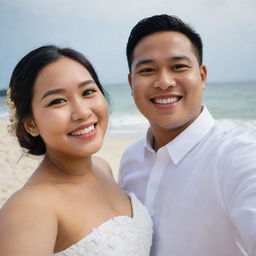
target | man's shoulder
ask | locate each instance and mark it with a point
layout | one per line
(135, 147)
(133, 152)
(234, 160)
(234, 144)
(235, 136)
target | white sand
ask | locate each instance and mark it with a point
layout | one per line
(16, 167)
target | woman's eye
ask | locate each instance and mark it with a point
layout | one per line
(55, 102)
(88, 92)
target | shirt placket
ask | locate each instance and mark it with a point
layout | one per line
(155, 179)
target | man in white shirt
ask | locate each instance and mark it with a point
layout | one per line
(197, 179)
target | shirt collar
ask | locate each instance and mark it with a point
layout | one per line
(149, 141)
(189, 138)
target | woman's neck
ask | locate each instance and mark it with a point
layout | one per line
(69, 167)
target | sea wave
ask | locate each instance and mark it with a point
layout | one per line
(127, 124)
(136, 123)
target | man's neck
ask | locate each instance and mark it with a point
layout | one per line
(161, 136)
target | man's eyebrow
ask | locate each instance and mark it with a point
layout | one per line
(61, 90)
(174, 58)
(181, 57)
(142, 62)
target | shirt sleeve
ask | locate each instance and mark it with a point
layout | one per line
(121, 168)
(120, 176)
(239, 186)
(124, 163)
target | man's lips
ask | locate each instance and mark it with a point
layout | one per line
(166, 99)
(83, 129)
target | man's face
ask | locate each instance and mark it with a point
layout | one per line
(167, 81)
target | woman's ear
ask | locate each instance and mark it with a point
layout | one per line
(30, 127)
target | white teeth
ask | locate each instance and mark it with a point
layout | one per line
(83, 131)
(167, 100)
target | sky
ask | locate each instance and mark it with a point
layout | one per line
(100, 28)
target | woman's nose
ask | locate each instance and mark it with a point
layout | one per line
(80, 110)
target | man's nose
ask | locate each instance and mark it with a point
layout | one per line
(164, 80)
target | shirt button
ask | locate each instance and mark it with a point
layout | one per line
(152, 185)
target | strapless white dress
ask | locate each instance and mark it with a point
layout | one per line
(119, 236)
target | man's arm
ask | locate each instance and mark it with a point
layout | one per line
(239, 190)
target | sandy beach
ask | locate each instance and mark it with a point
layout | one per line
(16, 166)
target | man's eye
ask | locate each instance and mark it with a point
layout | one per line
(146, 70)
(88, 92)
(180, 67)
(56, 101)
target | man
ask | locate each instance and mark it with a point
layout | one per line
(197, 180)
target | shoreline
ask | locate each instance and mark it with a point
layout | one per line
(16, 167)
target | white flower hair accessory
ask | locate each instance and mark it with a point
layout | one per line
(13, 120)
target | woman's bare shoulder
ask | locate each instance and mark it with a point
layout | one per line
(28, 215)
(29, 200)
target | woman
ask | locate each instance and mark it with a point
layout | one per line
(71, 205)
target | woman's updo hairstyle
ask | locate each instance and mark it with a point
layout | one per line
(22, 83)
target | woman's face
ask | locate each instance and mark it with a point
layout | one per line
(69, 110)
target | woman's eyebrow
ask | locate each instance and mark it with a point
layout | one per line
(53, 91)
(61, 90)
(86, 83)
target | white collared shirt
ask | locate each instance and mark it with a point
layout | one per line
(200, 190)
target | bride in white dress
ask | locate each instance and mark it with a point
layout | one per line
(71, 205)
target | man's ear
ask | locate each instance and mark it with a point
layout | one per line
(130, 81)
(30, 127)
(203, 73)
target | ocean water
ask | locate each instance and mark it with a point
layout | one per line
(231, 103)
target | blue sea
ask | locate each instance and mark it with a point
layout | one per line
(231, 103)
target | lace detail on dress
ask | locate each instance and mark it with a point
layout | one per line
(121, 235)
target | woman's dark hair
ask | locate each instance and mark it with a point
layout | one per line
(22, 83)
(162, 23)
